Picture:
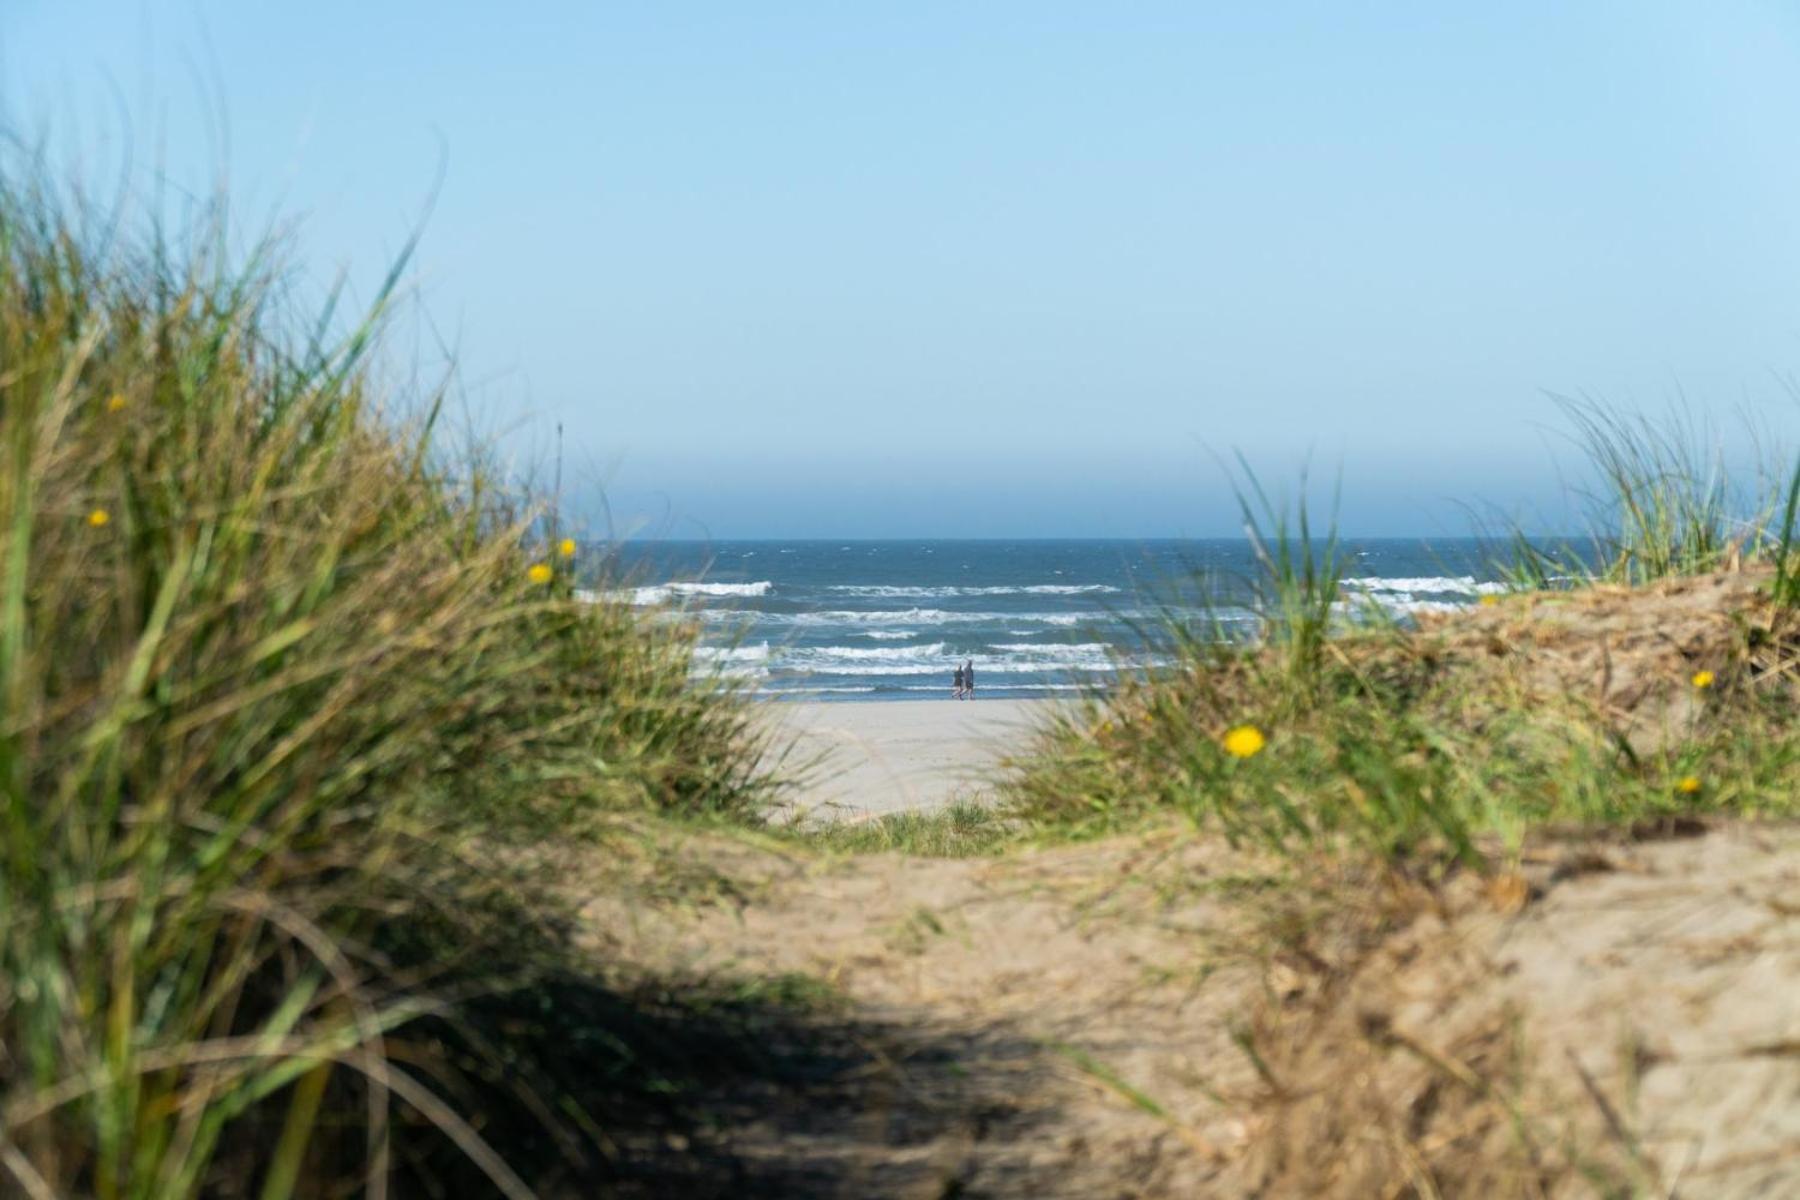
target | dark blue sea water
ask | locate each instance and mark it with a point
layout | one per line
(891, 619)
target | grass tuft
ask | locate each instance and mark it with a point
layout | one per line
(1661, 504)
(1453, 743)
(1299, 583)
(280, 678)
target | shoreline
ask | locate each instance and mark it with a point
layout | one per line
(873, 757)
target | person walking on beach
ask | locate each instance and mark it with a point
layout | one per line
(956, 684)
(968, 679)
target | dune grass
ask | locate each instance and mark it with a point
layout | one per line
(1396, 773)
(1661, 501)
(1786, 588)
(1329, 731)
(281, 682)
(294, 697)
(1298, 583)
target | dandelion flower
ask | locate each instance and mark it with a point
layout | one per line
(540, 573)
(1244, 741)
(1703, 679)
(566, 548)
(99, 517)
(1687, 785)
(115, 402)
(1488, 600)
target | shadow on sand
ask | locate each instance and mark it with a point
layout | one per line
(730, 1089)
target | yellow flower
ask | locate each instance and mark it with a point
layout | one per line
(1488, 600)
(1703, 679)
(566, 548)
(115, 402)
(540, 573)
(99, 517)
(1244, 741)
(1687, 785)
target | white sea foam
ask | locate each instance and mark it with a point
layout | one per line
(912, 646)
(922, 616)
(1051, 648)
(732, 654)
(787, 665)
(895, 591)
(663, 592)
(933, 658)
(1051, 589)
(732, 662)
(944, 667)
(1436, 585)
(737, 662)
(878, 655)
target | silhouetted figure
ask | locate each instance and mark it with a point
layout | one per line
(957, 683)
(968, 677)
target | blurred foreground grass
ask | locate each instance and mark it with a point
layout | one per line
(281, 680)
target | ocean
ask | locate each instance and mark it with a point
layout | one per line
(876, 620)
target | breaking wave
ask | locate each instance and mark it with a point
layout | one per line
(663, 592)
(1431, 585)
(895, 591)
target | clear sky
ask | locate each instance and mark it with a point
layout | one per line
(1006, 269)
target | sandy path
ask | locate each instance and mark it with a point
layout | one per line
(997, 1017)
(1067, 1022)
(889, 756)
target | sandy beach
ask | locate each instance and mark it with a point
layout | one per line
(887, 756)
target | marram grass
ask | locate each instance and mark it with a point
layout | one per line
(1660, 502)
(269, 663)
(1328, 731)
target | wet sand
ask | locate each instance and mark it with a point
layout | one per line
(888, 756)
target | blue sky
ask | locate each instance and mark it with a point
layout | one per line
(1005, 269)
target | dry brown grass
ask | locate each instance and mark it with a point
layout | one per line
(1618, 1035)
(1627, 656)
